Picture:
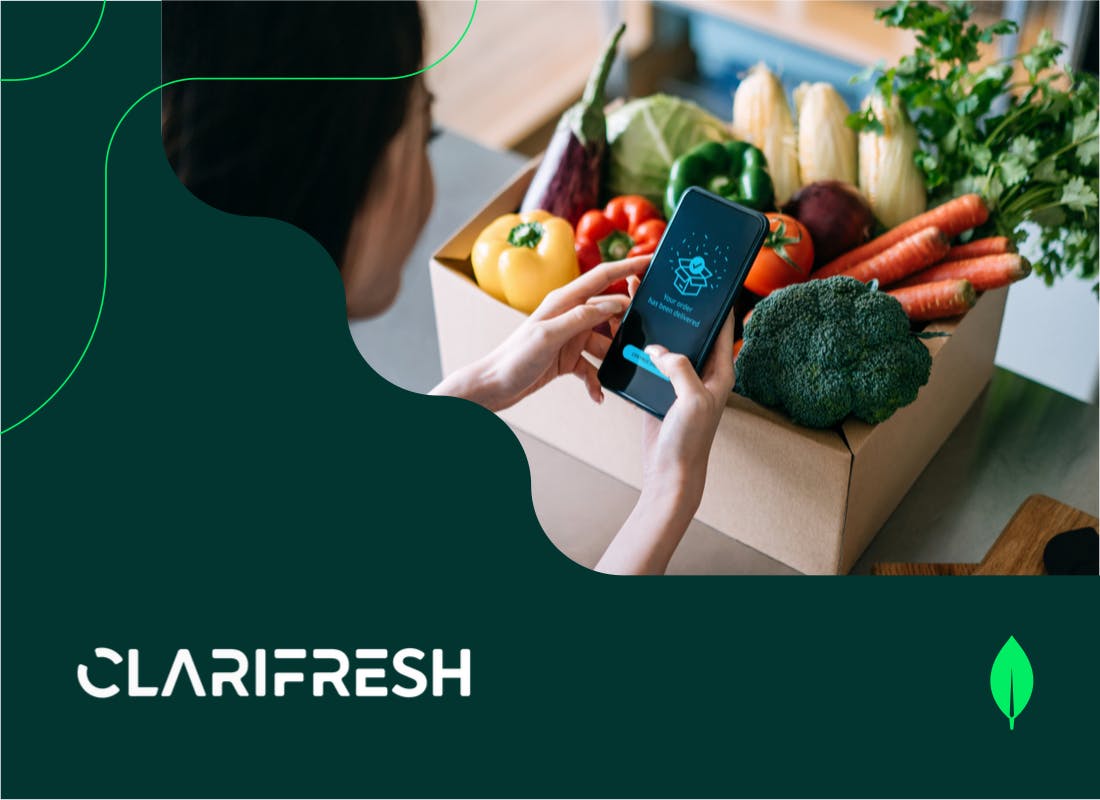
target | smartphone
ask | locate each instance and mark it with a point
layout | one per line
(686, 295)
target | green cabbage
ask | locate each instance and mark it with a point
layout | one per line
(646, 135)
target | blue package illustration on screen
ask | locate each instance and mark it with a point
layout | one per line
(692, 276)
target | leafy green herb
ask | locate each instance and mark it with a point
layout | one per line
(1030, 147)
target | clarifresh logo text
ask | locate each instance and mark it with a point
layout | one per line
(281, 672)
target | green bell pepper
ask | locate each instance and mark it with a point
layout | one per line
(735, 170)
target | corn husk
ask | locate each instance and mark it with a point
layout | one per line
(888, 176)
(762, 117)
(826, 145)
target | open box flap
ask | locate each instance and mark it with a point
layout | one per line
(455, 252)
(988, 310)
(890, 456)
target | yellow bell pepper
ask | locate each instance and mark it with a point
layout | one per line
(521, 258)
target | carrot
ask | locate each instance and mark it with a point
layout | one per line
(737, 348)
(953, 217)
(937, 300)
(910, 255)
(989, 246)
(987, 272)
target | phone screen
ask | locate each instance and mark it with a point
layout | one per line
(685, 296)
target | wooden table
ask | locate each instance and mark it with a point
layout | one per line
(1019, 548)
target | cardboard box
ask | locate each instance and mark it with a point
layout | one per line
(812, 499)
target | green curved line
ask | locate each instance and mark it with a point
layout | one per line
(107, 160)
(66, 63)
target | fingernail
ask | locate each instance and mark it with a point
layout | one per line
(609, 307)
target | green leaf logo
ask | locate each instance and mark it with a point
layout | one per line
(1011, 680)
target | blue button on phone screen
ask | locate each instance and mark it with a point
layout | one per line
(642, 359)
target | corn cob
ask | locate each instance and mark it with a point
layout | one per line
(762, 117)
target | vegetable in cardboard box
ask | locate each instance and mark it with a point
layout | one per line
(521, 258)
(888, 175)
(567, 182)
(762, 117)
(646, 135)
(734, 170)
(825, 349)
(826, 145)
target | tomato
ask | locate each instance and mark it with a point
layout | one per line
(786, 257)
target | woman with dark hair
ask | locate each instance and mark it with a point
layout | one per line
(347, 162)
(307, 152)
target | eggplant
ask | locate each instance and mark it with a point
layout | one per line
(567, 182)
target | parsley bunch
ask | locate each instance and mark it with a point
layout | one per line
(1030, 148)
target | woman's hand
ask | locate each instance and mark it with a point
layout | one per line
(676, 449)
(674, 460)
(550, 343)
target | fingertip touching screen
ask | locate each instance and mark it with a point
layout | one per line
(685, 296)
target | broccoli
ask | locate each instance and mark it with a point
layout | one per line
(825, 349)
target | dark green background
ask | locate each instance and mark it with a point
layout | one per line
(225, 471)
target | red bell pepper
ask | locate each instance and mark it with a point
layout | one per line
(629, 226)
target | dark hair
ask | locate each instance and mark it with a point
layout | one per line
(300, 151)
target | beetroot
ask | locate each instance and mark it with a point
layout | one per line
(836, 215)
